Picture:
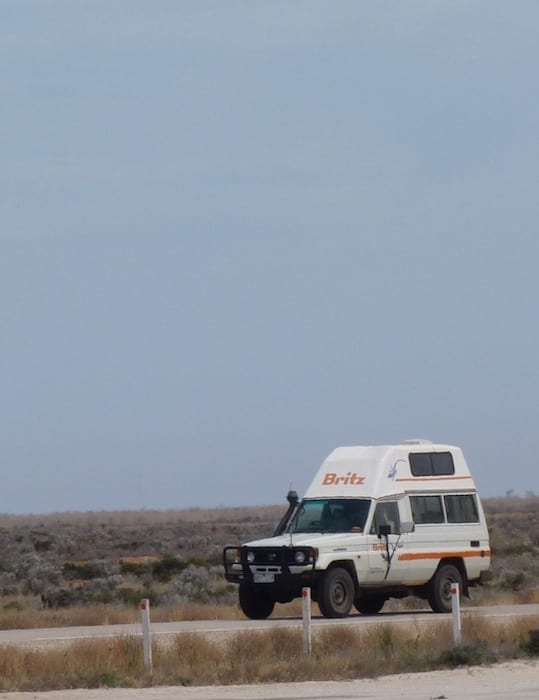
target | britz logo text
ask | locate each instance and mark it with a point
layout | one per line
(351, 479)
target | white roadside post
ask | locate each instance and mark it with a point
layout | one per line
(146, 633)
(306, 608)
(455, 608)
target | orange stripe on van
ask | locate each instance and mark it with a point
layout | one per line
(433, 478)
(413, 556)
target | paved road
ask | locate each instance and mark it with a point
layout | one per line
(162, 630)
(515, 681)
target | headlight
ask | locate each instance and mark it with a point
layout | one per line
(250, 557)
(300, 557)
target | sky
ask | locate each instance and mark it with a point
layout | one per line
(235, 235)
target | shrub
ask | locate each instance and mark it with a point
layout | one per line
(512, 580)
(530, 645)
(469, 654)
(136, 568)
(194, 584)
(164, 569)
(84, 570)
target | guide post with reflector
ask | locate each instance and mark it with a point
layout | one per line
(306, 610)
(455, 609)
(146, 633)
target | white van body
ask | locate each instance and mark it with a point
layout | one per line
(376, 522)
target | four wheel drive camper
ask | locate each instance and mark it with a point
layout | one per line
(376, 523)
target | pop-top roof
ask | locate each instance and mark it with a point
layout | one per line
(384, 470)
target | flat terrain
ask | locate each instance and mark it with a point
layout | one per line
(67, 560)
(71, 577)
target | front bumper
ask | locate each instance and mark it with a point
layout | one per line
(270, 565)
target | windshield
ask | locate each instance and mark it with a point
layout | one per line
(331, 515)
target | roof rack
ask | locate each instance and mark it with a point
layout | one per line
(417, 441)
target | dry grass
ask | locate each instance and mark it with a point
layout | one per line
(32, 618)
(80, 665)
(257, 657)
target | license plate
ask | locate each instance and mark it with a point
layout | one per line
(264, 578)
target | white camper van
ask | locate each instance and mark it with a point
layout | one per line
(376, 523)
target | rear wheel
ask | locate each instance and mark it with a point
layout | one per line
(336, 593)
(370, 604)
(439, 594)
(254, 602)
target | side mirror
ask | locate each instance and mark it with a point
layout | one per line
(406, 528)
(383, 531)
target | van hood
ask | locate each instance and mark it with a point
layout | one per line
(307, 539)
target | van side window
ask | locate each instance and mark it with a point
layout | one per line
(420, 464)
(427, 509)
(461, 509)
(386, 513)
(431, 463)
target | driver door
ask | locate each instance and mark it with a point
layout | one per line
(384, 566)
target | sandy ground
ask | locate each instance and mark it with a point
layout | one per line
(516, 680)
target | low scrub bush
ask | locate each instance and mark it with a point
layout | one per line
(87, 570)
(470, 654)
(530, 643)
(510, 580)
(164, 569)
(135, 568)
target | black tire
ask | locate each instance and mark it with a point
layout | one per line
(439, 593)
(370, 604)
(254, 602)
(336, 593)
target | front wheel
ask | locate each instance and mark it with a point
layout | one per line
(439, 595)
(336, 593)
(254, 602)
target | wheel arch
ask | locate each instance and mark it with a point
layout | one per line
(347, 564)
(336, 590)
